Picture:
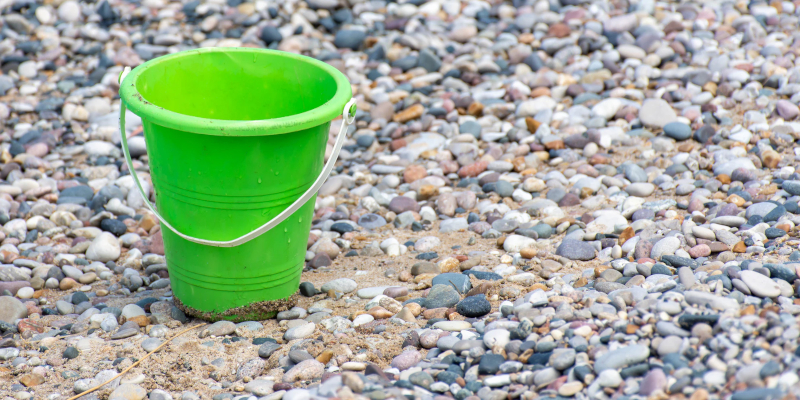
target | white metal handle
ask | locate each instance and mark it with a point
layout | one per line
(348, 116)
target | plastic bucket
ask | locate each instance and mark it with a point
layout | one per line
(236, 139)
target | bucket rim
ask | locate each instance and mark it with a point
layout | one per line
(150, 112)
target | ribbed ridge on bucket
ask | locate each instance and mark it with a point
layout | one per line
(268, 280)
(228, 201)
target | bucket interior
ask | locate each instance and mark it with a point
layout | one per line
(236, 86)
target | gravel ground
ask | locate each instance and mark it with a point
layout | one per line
(539, 199)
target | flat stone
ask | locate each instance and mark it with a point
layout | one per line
(760, 285)
(576, 250)
(452, 326)
(622, 358)
(304, 371)
(299, 332)
(11, 309)
(474, 306)
(656, 113)
(711, 300)
(442, 296)
(128, 391)
(342, 285)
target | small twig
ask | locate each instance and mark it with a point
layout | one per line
(134, 364)
(454, 285)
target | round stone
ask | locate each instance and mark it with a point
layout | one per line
(474, 306)
(678, 130)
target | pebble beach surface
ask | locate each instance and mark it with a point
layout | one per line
(539, 199)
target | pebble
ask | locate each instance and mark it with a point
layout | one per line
(304, 371)
(656, 113)
(104, 248)
(220, 328)
(621, 358)
(406, 360)
(442, 296)
(299, 332)
(678, 130)
(759, 284)
(129, 391)
(11, 309)
(474, 306)
(343, 285)
(576, 250)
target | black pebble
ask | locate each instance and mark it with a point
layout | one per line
(79, 297)
(307, 289)
(115, 227)
(474, 306)
(70, 353)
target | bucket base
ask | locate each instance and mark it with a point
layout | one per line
(257, 311)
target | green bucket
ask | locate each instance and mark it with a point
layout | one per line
(236, 139)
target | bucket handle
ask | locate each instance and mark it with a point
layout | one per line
(348, 116)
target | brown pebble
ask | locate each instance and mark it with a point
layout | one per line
(148, 222)
(427, 191)
(528, 253)
(88, 278)
(699, 394)
(434, 313)
(473, 169)
(68, 283)
(523, 358)
(31, 379)
(770, 158)
(625, 235)
(415, 308)
(469, 263)
(559, 30)
(409, 113)
(538, 286)
(539, 92)
(397, 144)
(140, 320)
(701, 250)
(404, 276)
(325, 356)
(449, 264)
(532, 124)
(686, 147)
(288, 386)
(526, 38)
(475, 109)
(395, 292)
(554, 145)
(406, 315)
(736, 199)
(718, 247)
(739, 247)
(378, 312)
